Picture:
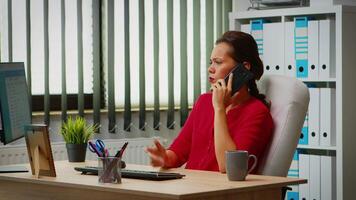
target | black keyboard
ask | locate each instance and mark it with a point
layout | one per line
(136, 174)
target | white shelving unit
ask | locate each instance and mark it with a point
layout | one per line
(330, 148)
(345, 63)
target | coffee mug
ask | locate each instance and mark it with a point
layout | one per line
(237, 164)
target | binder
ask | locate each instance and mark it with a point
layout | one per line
(289, 54)
(314, 178)
(278, 55)
(301, 46)
(294, 167)
(273, 49)
(257, 33)
(313, 50)
(293, 194)
(327, 117)
(313, 117)
(304, 167)
(304, 134)
(294, 173)
(328, 178)
(246, 28)
(327, 49)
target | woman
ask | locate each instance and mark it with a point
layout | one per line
(220, 122)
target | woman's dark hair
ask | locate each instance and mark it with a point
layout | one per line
(244, 49)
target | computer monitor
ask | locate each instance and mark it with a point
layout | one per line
(0, 122)
(14, 102)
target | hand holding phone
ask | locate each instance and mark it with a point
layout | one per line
(241, 75)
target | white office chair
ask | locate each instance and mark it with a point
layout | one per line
(289, 104)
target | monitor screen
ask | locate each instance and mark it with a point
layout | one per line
(14, 101)
(0, 123)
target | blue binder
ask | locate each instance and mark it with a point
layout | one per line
(294, 173)
(304, 135)
(292, 195)
(294, 167)
(257, 26)
(301, 46)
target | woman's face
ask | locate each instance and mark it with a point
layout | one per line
(221, 63)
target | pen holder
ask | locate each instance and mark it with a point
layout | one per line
(109, 169)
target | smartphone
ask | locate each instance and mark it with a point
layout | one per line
(240, 77)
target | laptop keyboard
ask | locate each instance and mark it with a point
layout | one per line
(136, 174)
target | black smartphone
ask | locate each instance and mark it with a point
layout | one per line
(241, 76)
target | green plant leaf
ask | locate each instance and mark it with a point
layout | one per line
(77, 131)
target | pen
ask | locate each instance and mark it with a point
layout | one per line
(106, 152)
(121, 152)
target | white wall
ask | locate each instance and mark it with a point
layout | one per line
(240, 5)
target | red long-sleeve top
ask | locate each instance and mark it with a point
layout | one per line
(250, 126)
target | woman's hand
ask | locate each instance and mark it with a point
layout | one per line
(221, 93)
(158, 155)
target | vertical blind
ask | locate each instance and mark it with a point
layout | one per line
(145, 54)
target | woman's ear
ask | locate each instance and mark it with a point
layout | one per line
(247, 65)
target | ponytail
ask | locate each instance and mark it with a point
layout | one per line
(253, 90)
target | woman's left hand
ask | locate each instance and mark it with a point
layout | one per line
(221, 93)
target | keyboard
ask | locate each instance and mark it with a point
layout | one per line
(136, 174)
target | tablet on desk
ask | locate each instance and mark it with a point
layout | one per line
(136, 174)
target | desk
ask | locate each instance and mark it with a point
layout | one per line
(70, 184)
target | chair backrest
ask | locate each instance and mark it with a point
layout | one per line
(289, 104)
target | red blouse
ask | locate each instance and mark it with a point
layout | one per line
(250, 126)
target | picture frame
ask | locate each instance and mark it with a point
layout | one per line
(39, 150)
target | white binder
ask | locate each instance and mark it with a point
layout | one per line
(304, 166)
(314, 116)
(273, 46)
(313, 50)
(289, 57)
(268, 47)
(327, 116)
(328, 178)
(314, 177)
(326, 49)
(278, 56)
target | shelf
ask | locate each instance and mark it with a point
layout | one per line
(344, 111)
(287, 12)
(329, 148)
(331, 80)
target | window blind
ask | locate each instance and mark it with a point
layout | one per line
(111, 65)
(46, 62)
(63, 62)
(148, 55)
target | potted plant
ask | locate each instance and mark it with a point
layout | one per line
(76, 134)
